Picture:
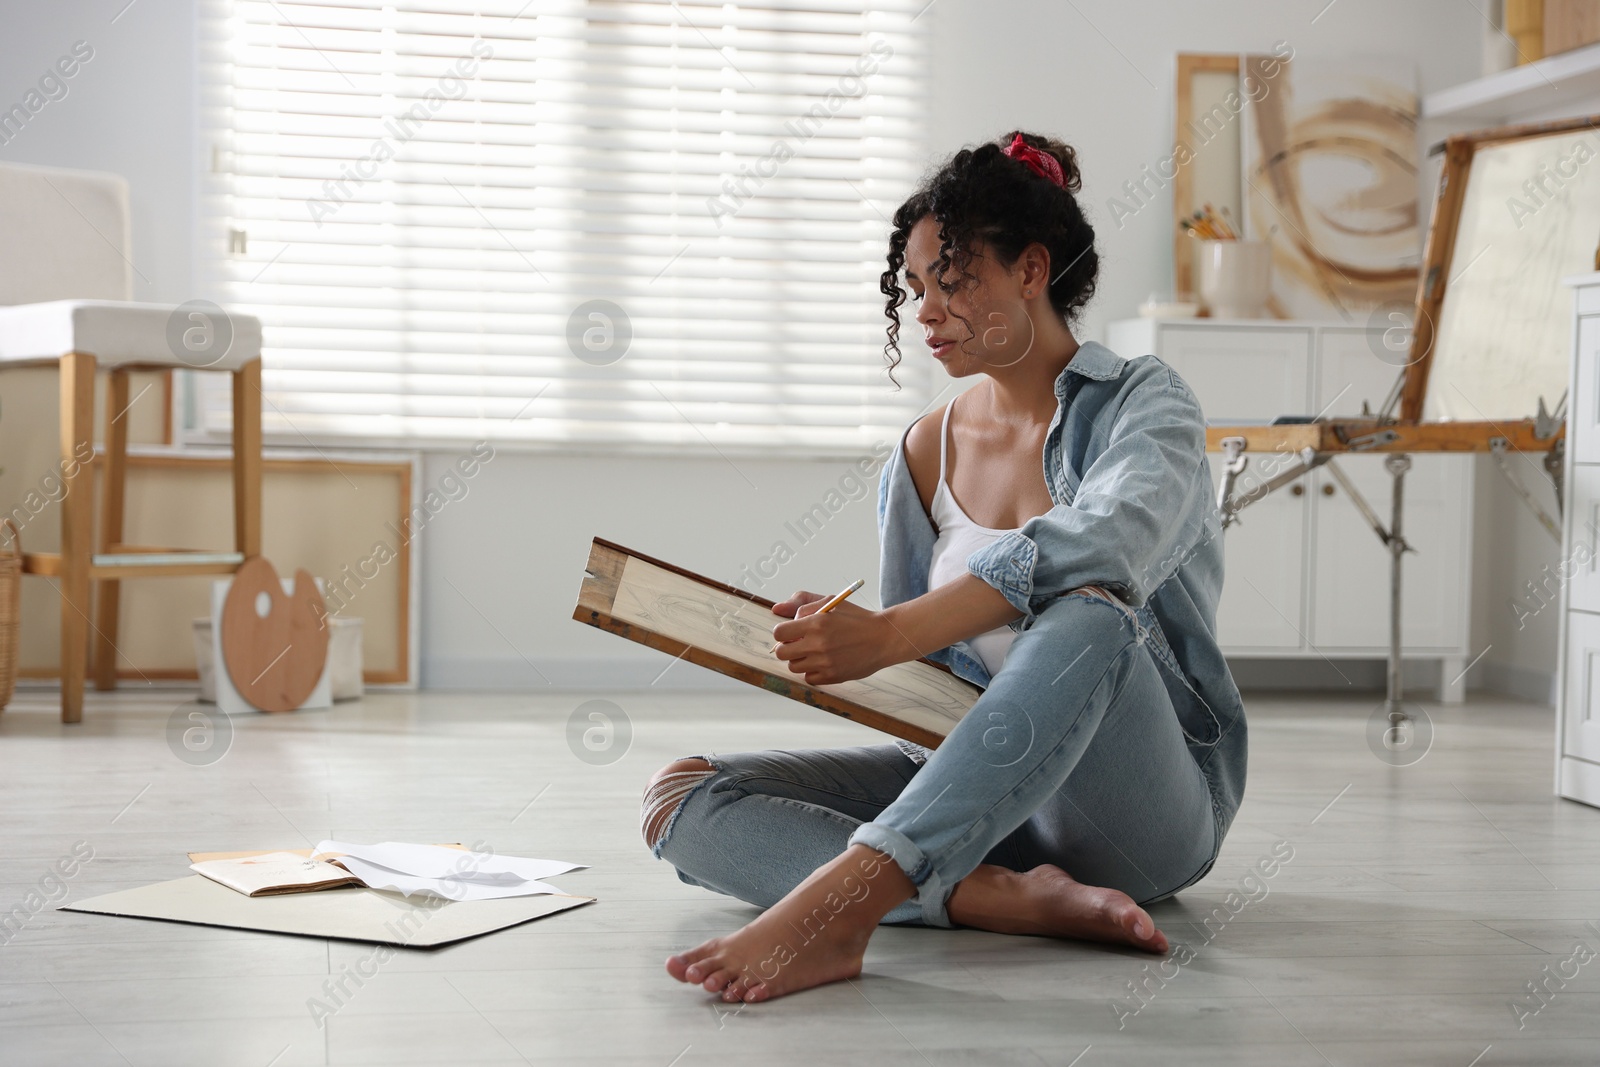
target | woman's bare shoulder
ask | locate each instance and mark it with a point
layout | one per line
(922, 455)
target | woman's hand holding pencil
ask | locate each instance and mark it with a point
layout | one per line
(798, 610)
(828, 640)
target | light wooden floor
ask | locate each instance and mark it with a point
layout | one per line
(1413, 914)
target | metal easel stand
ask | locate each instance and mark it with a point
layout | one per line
(1307, 460)
(1397, 464)
(1545, 426)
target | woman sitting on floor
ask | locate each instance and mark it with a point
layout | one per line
(1051, 536)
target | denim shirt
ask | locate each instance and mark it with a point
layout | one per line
(1125, 464)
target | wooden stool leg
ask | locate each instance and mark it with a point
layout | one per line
(247, 458)
(77, 526)
(108, 591)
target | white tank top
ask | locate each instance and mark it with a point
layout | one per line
(958, 538)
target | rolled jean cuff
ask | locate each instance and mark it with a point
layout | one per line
(931, 890)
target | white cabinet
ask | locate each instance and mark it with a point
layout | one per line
(1263, 603)
(1581, 688)
(1583, 502)
(1350, 566)
(1305, 575)
(1237, 372)
(1578, 717)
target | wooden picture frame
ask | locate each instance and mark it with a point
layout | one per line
(1192, 66)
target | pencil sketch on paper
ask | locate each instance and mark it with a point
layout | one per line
(709, 618)
(1504, 330)
(699, 612)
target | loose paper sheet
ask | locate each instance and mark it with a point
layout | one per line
(446, 872)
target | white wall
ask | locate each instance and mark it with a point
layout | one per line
(501, 567)
(1512, 550)
(130, 110)
(1100, 73)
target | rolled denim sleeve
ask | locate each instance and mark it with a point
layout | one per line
(1139, 506)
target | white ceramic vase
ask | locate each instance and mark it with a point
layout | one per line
(1236, 278)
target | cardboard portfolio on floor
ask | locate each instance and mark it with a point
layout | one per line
(345, 912)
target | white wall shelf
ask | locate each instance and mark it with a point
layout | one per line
(1549, 83)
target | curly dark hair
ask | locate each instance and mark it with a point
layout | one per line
(982, 195)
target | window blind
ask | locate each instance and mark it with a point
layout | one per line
(564, 222)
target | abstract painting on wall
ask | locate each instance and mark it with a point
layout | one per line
(1329, 164)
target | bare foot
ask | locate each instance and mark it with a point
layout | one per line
(816, 934)
(1048, 901)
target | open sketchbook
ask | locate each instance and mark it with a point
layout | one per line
(730, 631)
(273, 873)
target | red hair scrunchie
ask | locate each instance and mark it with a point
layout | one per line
(1041, 163)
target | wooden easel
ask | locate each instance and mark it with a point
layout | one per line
(1307, 446)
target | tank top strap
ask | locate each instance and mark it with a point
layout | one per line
(944, 437)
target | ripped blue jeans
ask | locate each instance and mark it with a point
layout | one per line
(1087, 750)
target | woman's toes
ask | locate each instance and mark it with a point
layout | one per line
(692, 965)
(1143, 929)
(718, 980)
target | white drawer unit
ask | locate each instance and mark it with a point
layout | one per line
(1237, 371)
(1580, 561)
(1306, 577)
(1578, 571)
(1581, 687)
(1583, 425)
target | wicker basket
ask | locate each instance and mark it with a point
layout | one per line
(10, 611)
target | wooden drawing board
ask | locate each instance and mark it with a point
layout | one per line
(730, 631)
(1474, 319)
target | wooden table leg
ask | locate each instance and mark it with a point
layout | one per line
(247, 458)
(108, 591)
(77, 526)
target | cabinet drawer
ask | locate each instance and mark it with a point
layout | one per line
(1249, 374)
(1578, 568)
(1350, 370)
(1580, 697)
(1350, 566)
(1583, 420)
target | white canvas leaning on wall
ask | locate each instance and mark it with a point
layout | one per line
(1530, 216)
(1330, 163)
